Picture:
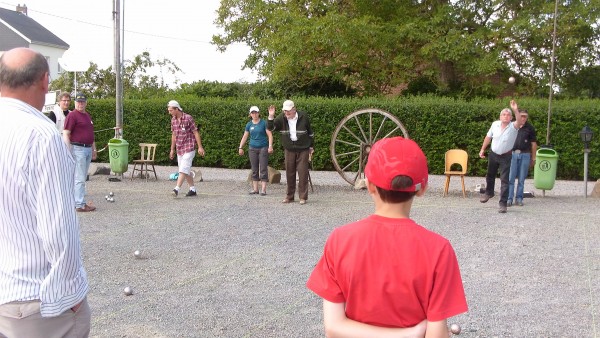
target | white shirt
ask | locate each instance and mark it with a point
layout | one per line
(502, 140)
(292, 123)
(40, 254)
(60, 118)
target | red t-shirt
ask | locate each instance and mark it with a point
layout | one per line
(390, 272)
(81, 127)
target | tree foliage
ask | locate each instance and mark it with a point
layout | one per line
(142, 77)
(461, 46)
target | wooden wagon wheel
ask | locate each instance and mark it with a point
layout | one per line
(354, 136)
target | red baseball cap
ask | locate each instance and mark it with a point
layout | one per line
(390, 157)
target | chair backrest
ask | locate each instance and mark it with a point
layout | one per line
(147, 151)
(457, 156)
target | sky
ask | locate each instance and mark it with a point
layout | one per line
(178, 30)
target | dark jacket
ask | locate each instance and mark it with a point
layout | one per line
(303, 132)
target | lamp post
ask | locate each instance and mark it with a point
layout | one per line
(586, 135)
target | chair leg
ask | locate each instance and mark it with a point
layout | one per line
(133, 171)
(462, 179)
(446, 185)
(154, 171)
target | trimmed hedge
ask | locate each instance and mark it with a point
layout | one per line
(437, 124)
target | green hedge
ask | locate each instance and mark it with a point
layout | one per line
(437, 124)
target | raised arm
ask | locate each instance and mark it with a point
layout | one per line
(515, 108)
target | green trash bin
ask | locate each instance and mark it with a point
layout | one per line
(118, 153)
(544, 173)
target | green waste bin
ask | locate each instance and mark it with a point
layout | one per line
(544, 172)
(118, 153)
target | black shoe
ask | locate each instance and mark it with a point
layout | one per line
(502, 209)
(484, 198)
(252, 192)
(175, 192)
(191, 193)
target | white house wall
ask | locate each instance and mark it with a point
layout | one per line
(52, 54)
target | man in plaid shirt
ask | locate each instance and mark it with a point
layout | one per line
(184, 137)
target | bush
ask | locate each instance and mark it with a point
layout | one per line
(437, 124)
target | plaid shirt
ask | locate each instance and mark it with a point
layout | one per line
(184, 128)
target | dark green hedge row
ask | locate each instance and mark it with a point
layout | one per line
(437, 124)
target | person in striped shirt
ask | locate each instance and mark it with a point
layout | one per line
(43, 284)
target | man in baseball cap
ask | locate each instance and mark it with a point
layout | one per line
(386, 270)
(184, 138)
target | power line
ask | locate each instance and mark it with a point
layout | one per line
(110, 28)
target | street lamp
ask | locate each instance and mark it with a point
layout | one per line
(586, 135)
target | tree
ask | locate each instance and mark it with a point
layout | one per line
(373, 46)
(142, 77)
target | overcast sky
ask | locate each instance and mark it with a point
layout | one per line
(178, 30)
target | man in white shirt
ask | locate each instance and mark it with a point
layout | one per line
(43, 284)
(502, 135)
(60, 111)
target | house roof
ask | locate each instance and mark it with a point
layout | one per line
(30, 29)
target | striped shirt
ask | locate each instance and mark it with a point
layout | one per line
(184, 128)
(40, 253)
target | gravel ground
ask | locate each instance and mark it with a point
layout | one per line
(227, 264)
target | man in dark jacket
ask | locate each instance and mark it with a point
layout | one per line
(297, 139)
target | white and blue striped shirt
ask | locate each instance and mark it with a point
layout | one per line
(40, 253)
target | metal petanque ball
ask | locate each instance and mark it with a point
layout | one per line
(111, 194)
(106, 197)
(128, 291)
(511, 79)
(137, 254)
(455, 329)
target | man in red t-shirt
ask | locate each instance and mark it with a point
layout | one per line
(78, 134)
(386, 275)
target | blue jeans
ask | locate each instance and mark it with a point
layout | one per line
(83, 157)
(519, 168)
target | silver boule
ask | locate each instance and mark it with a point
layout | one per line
(137, 254)
(128, 291)
(455, 329)
(511, 79)
(106, 197)
(111, 194)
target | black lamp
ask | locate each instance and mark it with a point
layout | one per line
(586, 135)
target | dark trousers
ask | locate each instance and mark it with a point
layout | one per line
(496, 162)
(259, 162)
(297, 161)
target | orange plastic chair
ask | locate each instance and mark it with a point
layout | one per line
(460, 157)
(147, 152)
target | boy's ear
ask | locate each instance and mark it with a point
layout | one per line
(422, 191)
(371, 188)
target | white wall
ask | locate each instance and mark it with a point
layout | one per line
(52, 54)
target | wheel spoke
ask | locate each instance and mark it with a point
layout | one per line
(391, 132)
(347, 153)
(348, 143)
(379, 129)
(352, 133)
(360, 128)
(349, 164)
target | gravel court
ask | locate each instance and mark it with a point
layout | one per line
(226, 264)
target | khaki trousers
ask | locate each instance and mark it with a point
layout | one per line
(23, 319)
